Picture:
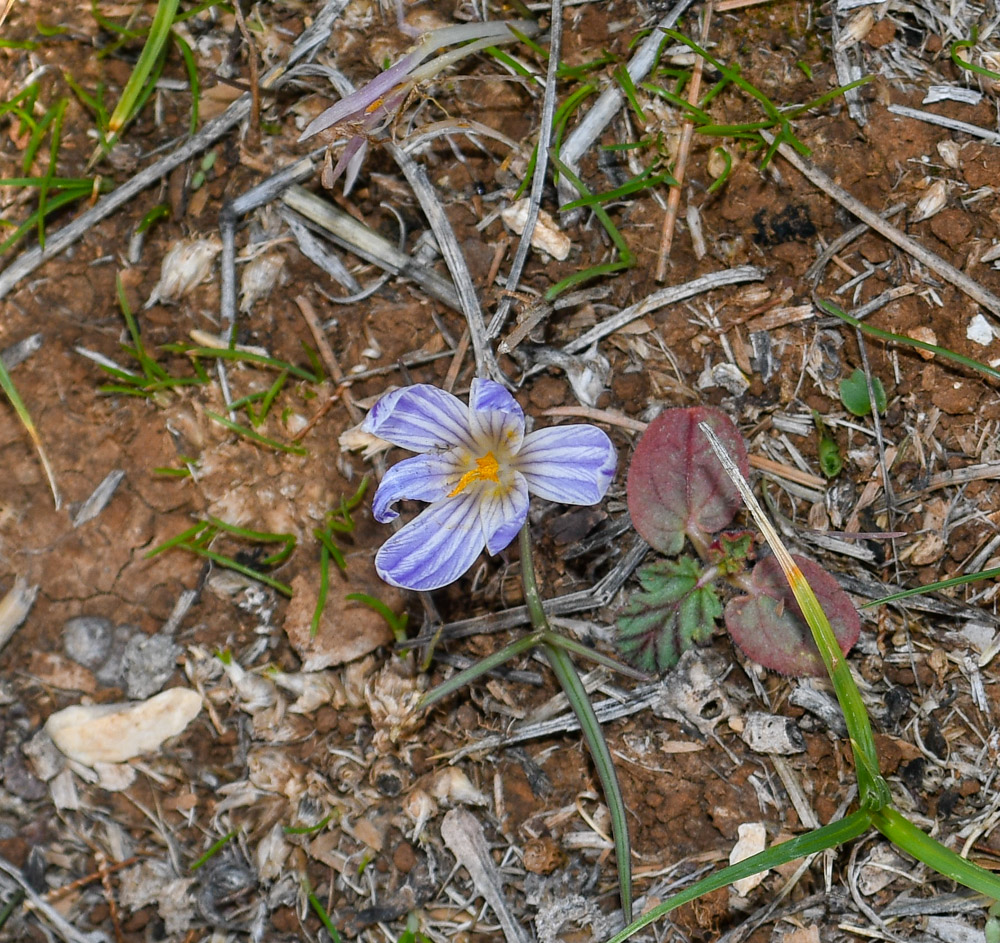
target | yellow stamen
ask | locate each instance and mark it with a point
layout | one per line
(487, 469)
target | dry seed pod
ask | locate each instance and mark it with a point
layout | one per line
(186, 265)
(271, 853)
(421, 808)
(392, 698)
(259, 276)
(991, 61)
(546, 236)
(856, 29)
(950, 152)
(931, 203)
(453, 787)
(389, 776)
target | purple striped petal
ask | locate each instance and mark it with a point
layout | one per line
(356, 104)
(351, 160)
(436, 547)
(421, 418)
(496, 417)
(503, 511)
(568, 464)
(421, 478)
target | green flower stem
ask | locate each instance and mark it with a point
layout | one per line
(904, 834)
(467, 675)
(565, 671)
(819, 839)
(873, 788)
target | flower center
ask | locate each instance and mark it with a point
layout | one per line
(487, 469)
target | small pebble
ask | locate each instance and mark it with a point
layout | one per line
(148, 663)
(87, 640)
(110, 672)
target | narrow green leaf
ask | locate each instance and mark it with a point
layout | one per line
(828, 836)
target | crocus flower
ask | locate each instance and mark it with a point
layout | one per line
(366, 111)
(476, 468)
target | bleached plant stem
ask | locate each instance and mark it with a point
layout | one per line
(612, 98)
(924, 256)
(665, 296)
(541, 168)
(416, 176)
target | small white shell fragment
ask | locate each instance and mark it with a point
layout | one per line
(931, 203)
(752, 841)
(116, 733)
(63, 792)
(187, 264)
(420, 807)
(768, 733)
(259, 276)
(856, 28)
(547, 236)
(979, 331)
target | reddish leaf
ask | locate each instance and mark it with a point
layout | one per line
(770, 628)
(676, 485)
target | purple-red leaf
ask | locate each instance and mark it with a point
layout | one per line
(676, 485)
(770, 628)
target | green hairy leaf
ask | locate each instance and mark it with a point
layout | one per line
(668, 615)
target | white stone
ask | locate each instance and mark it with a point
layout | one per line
(115, 733)
(752, 841)
(979, 331)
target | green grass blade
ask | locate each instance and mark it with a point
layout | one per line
(626, 260)
(256, 437)
(324, 917)
(396, 623)
(904, 834)
(156, 40)
(468, 675)
(565, 671)
(240, 356)
(324, 588)
(43, 188)
(829, 836)
(259, 536)
(934, 587)
(230, 564)
(584, 651)
(871, 331)
(7, 385)
(643, 181)
(192, 70)
(57, 202)
(181, 539)
(966, 64)
(213, 850)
